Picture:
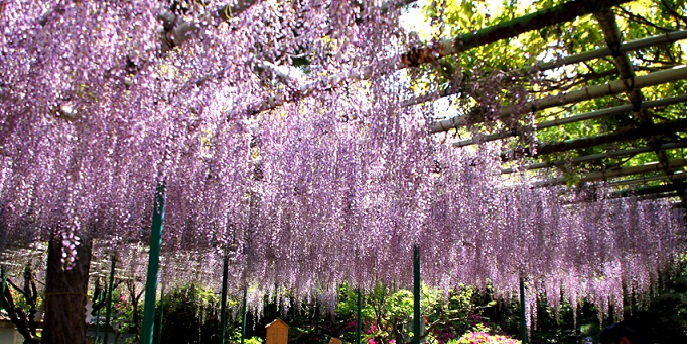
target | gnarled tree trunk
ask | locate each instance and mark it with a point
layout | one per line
(66, 289)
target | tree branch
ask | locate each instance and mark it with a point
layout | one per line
(674, 11)
(641, 19)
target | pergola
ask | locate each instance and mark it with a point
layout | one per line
(596, 170)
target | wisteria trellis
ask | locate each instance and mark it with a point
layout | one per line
(335, 184)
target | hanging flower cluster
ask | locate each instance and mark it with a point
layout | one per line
(304, 178)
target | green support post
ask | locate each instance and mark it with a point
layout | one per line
(523, 314)
(108, 311)
(417, 333)
(2, 286)
(223, 319)
(98, 298)
(158, 330)
(97, 327)
(360, 317)
(243, 329)
(153, 262)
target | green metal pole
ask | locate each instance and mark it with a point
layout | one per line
(360, 317)
(417, 333)
(223, 319)
(153, 262)
(243, 329)
(97, 327)
(523, 314)
(98, 299)
(2, 286)
(108, 311)
(162, 309)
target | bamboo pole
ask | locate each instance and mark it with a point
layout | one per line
(644, 180)
(599, 156)
(582, 94)
(597, 91)
(613, 111)
(626, 47)
(649, 190)
(621, 135)
(546, 17)
(619, 172)
(612, 35)
(629, 46)
(153, 262)
(576, 118)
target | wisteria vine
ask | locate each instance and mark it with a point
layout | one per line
(337, 183)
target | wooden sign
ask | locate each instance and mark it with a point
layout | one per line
(277, 332)
(334, 341)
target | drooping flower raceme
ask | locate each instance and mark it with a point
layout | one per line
(304, 176)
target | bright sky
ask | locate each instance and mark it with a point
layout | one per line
(413, 20)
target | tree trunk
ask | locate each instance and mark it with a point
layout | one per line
(66, 294)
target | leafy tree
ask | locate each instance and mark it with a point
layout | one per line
(22, 306)
(473, 69)
(190, 315)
